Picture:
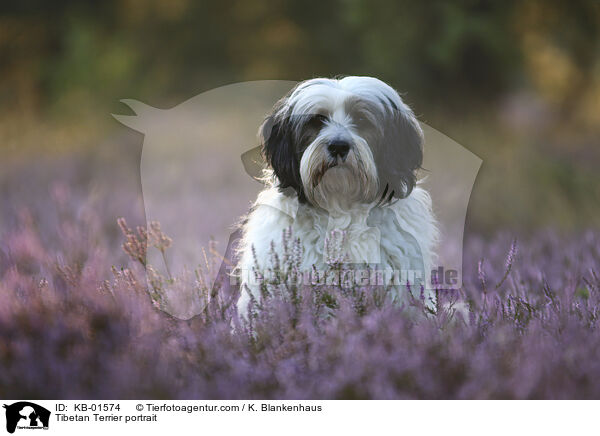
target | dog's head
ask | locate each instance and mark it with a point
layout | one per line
(338, 142)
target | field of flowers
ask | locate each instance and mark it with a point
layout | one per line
(77, 320)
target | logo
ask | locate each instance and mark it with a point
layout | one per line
(26, 415)
(195, 186)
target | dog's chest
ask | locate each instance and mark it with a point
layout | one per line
(362, 235)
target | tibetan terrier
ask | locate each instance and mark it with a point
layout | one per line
(343, 157)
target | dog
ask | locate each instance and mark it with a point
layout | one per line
(343, 155)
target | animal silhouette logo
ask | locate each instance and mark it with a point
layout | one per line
(194, 184)
(26, 415)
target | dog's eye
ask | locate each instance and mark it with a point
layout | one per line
(317, 121)
(361, 120)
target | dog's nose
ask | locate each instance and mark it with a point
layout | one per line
(338, 148)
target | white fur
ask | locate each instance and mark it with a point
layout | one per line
(266, 223)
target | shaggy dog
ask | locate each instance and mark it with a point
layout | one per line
(343, 156)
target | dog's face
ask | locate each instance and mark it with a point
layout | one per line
(338, 142)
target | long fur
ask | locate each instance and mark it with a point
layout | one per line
(371, 193)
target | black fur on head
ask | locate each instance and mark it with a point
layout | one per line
(399, 154)
(277, 138)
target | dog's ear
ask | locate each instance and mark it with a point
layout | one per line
(280, 152)
(400, 155)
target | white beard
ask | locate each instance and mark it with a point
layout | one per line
(340, 188)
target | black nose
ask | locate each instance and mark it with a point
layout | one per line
(338, 148)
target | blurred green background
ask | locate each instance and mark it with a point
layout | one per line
(516, 82)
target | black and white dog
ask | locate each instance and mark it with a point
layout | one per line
(342, 155)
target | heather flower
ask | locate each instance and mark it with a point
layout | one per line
(135, 245)
(509, 262)
(481, 275)
(156, 238)
(335, 248)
